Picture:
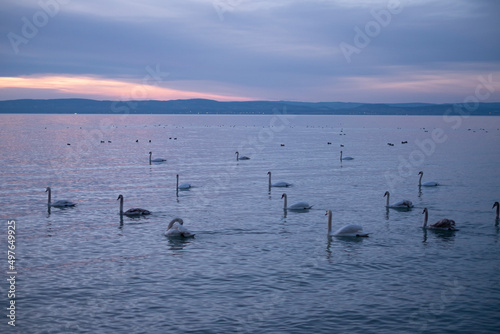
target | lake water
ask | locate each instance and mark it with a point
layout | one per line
(252, 267)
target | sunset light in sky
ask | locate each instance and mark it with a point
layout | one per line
(383, 51)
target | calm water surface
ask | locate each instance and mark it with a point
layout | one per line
(252, 267)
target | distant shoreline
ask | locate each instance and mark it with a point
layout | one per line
(211, 107)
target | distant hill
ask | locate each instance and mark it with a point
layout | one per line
(202, 106)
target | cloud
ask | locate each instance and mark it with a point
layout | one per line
(258, 49)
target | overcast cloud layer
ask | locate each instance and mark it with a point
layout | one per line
(314, 50)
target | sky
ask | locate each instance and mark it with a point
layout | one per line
(372, 51)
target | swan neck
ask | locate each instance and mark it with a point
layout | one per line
(121, 204)
(269, 180)
(498, 209)
(426, 216)
(387, 201)
(329, 222)
(420, 179)
(284, 206)
(175, 220)
(150, 158)
(50, 197)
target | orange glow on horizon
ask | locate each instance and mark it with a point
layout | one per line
(99, 88)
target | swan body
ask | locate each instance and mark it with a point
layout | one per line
(277, 184)
(241, 158)
(176, 229)
(345, 158)
(132, 212)
(351, 230)
(426, 184)
(399, 205)
(497, 205)
(182, 186)
(443, 224)
(155, 160)
(58, 204)
(296, 206)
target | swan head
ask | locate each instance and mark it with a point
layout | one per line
(268, 173)
(119, 197)
(496, 204)
(386, 194)
(420, 173)
(425, 210)
(283, 196)
(48, 189)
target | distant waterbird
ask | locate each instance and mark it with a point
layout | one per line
(496, 205)
(345, 158)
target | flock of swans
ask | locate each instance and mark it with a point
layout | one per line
(176, 226)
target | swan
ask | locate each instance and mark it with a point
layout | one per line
(443, 224)
(132, 212)
(176, 229)
(296, 206)
(345, 158)
(277, 184)
(497, 205)
(399, 205)
(241, 158)
(59, 204)
(426, 184)
(351, 230)
(155, 160)
(182, 186)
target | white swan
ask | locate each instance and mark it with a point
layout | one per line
(296, 206)
(443, 224)
(399, 205)
(132, 212)
(241, 158)
(59, 204)
(155, 160)
(497, 205)
(182, 186)
(351, 230)
(176, 229)
(345, 158)
(277, 184)
(426, 184)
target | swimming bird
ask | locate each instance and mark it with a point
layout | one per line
(345, 158)
(399, 205)
(296, 206)
(241, 158)
(59, 204)
(351, 230)
(182, 186)
(176, 229)
(497, 205)
(426, 184)
(443, 224)
(155, 160)
(132, 212)
(277, 184)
